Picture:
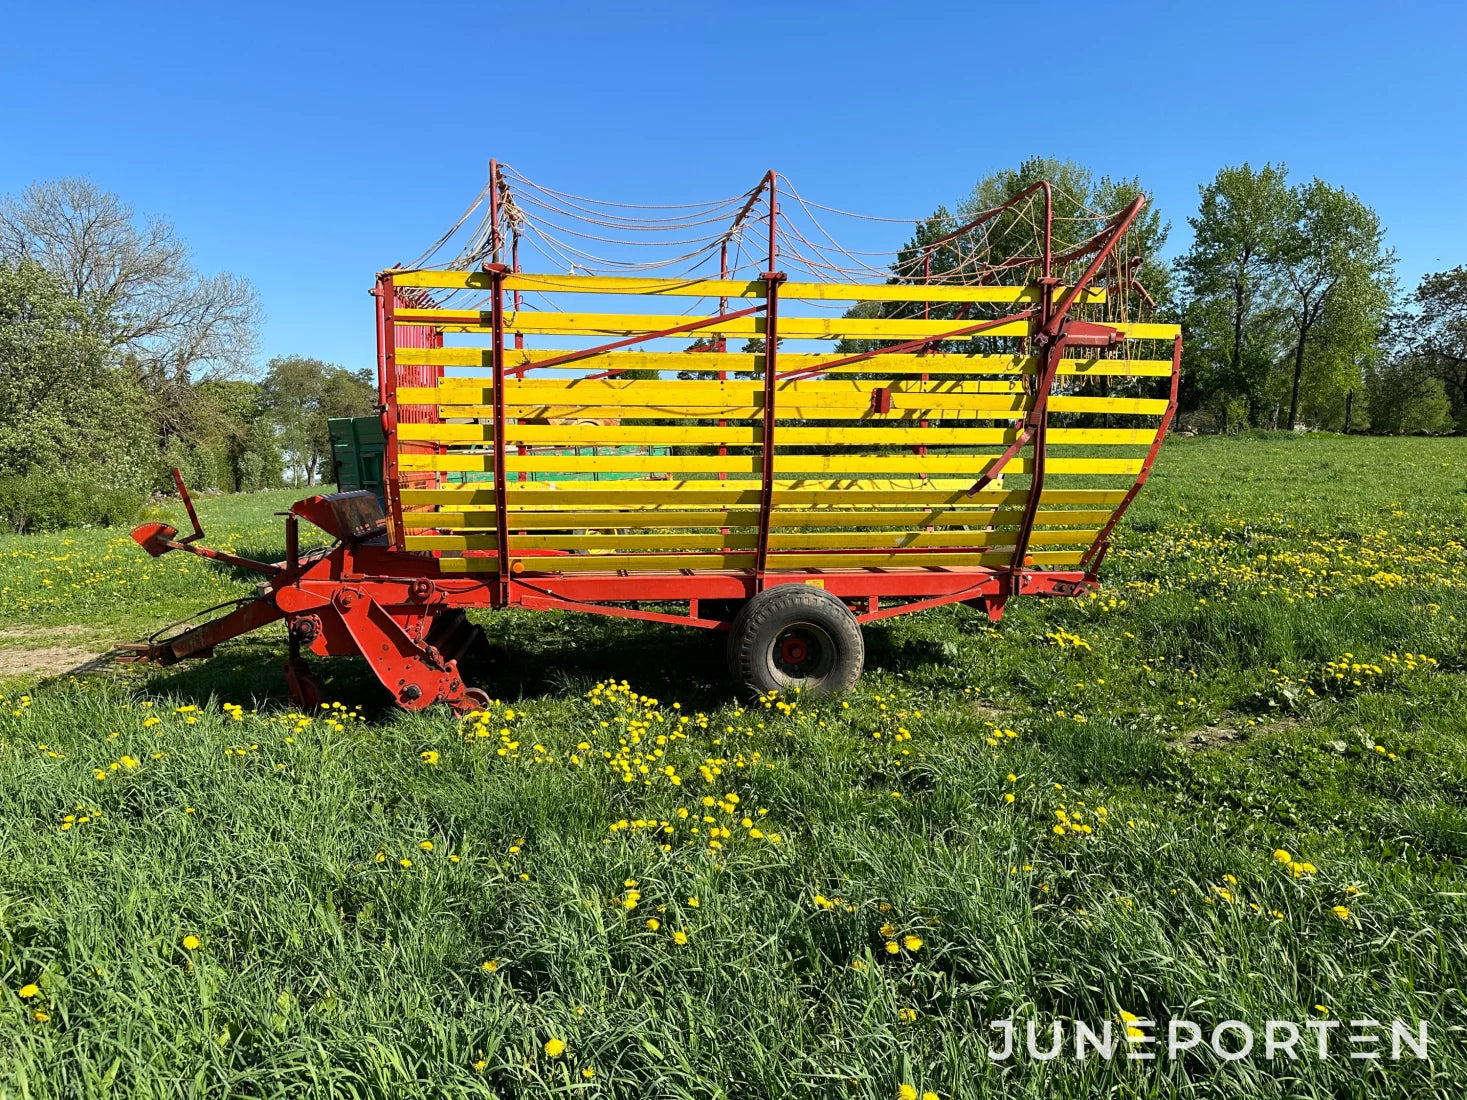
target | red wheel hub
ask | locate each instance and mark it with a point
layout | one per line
(794, 650)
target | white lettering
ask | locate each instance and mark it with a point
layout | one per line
(1399, 1032)
(1366, 1037)
(1007, 1027)
(1321, 1029)
(1272, 1046)
(1173, 1029)
(1104, 1043)
(1058, 1035)
(1138, 1035)
(1222, 1051)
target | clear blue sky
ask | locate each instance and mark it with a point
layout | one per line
(305, 146)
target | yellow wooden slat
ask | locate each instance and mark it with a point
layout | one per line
(836, 392)
(836, 540)
(735, 362)
(852, 466)
(537, 322)
(730, 288)
(575, 520)
(586, 435)
(743, 561)
(803, 494)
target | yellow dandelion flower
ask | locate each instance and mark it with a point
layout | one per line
(555, 1047)
(405, 862)
(1341, 911)
(912, 943)
(426, 845)
(588, 1073)
(490, 966)
(1282, 855)
(653, 924)
(906, 1092)
(191, 943)
(28, 991)
(680, 937)
(892, 947)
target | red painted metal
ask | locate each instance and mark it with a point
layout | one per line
(1097, 551)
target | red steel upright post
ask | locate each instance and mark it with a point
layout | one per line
(387, 378)
(772, 279)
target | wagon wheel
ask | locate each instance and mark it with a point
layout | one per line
(796, 635)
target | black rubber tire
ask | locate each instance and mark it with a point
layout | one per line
(796, 636)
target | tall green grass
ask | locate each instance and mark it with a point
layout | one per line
(322, 970)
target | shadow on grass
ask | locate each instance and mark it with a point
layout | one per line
(528, 655)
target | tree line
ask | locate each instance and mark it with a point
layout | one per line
(1287, 296)
(120, 360)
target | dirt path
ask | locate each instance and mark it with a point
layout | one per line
(41, 651)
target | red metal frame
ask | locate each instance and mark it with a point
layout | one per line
(367, 596)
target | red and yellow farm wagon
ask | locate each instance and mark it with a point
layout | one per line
(965, 424)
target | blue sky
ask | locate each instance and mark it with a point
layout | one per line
(306, 146)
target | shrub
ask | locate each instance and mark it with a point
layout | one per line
(38, 501)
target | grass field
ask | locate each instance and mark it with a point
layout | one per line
(1233, 787)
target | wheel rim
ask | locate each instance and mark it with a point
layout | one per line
(803, 651)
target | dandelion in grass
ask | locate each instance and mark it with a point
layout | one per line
(653, 924)
(892, 947)
(28, 991)
(426, 845)
(906, 1015)
(404, 862)
(912, 943)
(588, 1073)
(555, 1047)
(1341, 911)
(481, 1065)
(906, 1092)
(489, 966)
(429, 756)
(679, 938)
(191, 943)
(40, 1016)
(692, 903)
(1282, 855)
(1129, 1019)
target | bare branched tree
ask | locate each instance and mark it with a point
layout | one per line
(168, 323)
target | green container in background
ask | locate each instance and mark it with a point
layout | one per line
(358, 451)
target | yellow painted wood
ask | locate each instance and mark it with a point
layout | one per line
(743, 561)
(837, 540)
(730, 288)
(536, 322)
(736, 362)
(781, 517)
(787, 494)
(848, 466)
(837, 392)
(587, 435)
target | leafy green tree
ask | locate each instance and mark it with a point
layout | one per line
(1229, 279)
(1337, 278)
(300, 395)
(1434, 331)
(62, 406)
(246, 452)
(1406, 397)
